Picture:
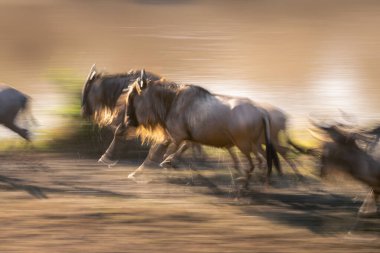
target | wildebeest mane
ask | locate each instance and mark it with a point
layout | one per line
(157, 102)
(161, 97)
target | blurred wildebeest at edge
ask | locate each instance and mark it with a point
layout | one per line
(375, 132)
(103, 101)
(13, 103)
(162, 110)
(344, 152)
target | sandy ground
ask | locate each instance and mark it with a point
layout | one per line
(64, 203)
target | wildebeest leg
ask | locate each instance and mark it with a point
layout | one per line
(251, 168)
(28, 116)
(119, 134)
(24, 133)
(185, 146)
(264, 154)
(178, 149)
(174, 149)
(234, 159)
(157, 152)
(155, 156)
(257, 151)
(198, 151)
(283, 151)
(369, 205)
(170, 150)
(246, 148)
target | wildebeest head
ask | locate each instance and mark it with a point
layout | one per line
(148, 102)
(342, 149)
(102, 95)
(341, 133)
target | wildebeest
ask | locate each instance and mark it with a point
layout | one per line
(12, 103)
(103, 101)
(278, 124)
(344, 153)
(191, 113)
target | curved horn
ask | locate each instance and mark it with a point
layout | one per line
(86, 86)
(92, 73)
(142, 81)
(142, 74)
(93, 67)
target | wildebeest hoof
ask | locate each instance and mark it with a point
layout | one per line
(107, 161)
(241, 179)
(166, 164)
(369, 214)
(131, 176)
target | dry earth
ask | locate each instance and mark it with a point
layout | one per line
(63, 203)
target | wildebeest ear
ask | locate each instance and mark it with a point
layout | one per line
(142, 81)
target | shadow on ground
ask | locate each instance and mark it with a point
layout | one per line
(41, 192)
(289, 201)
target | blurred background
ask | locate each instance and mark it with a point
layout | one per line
(308, 57)
(303, 56)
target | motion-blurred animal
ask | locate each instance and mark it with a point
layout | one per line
(103, 101)
(13, 103)
(167, 110)
(343, 152)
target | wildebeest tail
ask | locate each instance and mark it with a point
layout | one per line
(272, 157)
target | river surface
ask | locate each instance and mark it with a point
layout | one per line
(306, 57)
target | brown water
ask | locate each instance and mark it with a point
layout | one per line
(303, 56)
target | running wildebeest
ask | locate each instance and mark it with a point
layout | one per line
(163, 109)
(13, 102)
(278, 123)
(103, 101)
(344, 153)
